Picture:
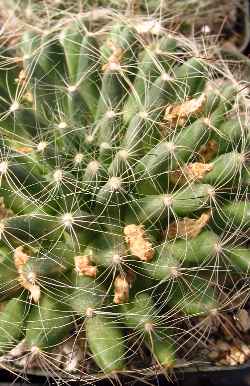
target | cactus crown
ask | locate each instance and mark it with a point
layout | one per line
(124, 178)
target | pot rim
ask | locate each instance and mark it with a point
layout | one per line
(189, 368)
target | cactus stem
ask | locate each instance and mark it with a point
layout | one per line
(123, 196)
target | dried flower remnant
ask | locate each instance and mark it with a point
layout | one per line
(115, 58)
(197, 170)
(192, 172)
(179, 113)
(188, 228)
(84, 267)
(138, 243)
(243, 320)
(24, 149)
(4, 212)
(121, 289)
(208, 150)
(22, 78)
(27, 281)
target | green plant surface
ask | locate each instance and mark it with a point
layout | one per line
(124, 212)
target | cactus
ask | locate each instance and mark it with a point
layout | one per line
(123, 185)
(207, 16)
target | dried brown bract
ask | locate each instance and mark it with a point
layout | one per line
(84, 267)
(188, 228)
(122, 285)
(27, 281)
(178, 114)
(192, 172)
(208, 150)
(138, 242)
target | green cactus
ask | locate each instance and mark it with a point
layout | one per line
(123, 185)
